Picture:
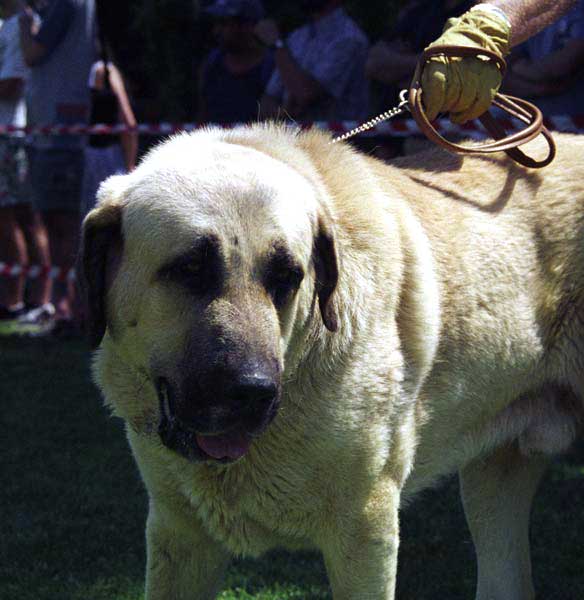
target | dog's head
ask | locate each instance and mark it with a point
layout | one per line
(201, 268)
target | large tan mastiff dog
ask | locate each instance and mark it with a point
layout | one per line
(299, 338)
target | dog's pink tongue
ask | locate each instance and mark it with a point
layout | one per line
(229, 445)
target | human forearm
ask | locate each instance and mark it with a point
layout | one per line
(560, 65)
(129, 139)
(129, 142)
(389, 66)
(32, 51)
(300, 85)
(518, 86)
(529, 17)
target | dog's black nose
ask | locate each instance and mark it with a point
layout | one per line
(253, 400)
(251, 392)
(221, 399)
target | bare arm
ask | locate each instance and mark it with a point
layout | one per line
(390, 65)
(561, 64)
(129, 139)
(301, 86)
(517, 85)
(32, 51)
(529, 17)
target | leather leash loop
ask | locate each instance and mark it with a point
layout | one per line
(516, 107)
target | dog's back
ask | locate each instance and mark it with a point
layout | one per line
(509, 247)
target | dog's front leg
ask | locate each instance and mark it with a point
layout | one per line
(183, 562)
(360, 549)
(497, 491)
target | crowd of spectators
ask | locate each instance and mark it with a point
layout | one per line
(56, 68)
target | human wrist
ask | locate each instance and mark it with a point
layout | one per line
(494, 25)
(494, 10)
(478, 28)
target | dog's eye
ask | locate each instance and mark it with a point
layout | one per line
(199, 276)
(282, 283)
(191, 274)
(199, 270)
(183, 267)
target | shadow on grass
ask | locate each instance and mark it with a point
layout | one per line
(73, 506)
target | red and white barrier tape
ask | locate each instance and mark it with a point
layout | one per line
(36, 271)
(396, 127)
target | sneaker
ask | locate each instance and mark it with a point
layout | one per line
(37, 320)
(9, 319)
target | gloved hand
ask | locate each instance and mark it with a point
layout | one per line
(465, 87)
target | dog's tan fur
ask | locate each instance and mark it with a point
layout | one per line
(459, 305)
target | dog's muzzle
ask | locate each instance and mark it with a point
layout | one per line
(221, 426)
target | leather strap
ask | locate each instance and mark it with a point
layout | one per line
(516, 107)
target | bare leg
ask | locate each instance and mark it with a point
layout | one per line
(37, 241)
(62, 227)
(12, 250)
(497, 492)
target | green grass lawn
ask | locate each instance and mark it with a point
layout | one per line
(72, 507)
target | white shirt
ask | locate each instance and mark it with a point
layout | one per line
(12, 112)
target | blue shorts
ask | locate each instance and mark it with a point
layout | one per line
(56, 175)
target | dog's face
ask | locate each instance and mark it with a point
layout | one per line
(203, 265)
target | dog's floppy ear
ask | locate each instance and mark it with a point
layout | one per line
(98, 261)
(327, 271)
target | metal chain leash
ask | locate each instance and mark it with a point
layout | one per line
(402, 107)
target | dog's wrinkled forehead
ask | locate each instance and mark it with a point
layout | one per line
(234, 193)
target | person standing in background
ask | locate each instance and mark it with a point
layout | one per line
(235, 73)
(393, 60)
(23, 238)
(320, 68)
(58, 44)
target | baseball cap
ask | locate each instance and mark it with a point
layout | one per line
(251, 10)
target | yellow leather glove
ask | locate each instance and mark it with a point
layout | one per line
(465, 87)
